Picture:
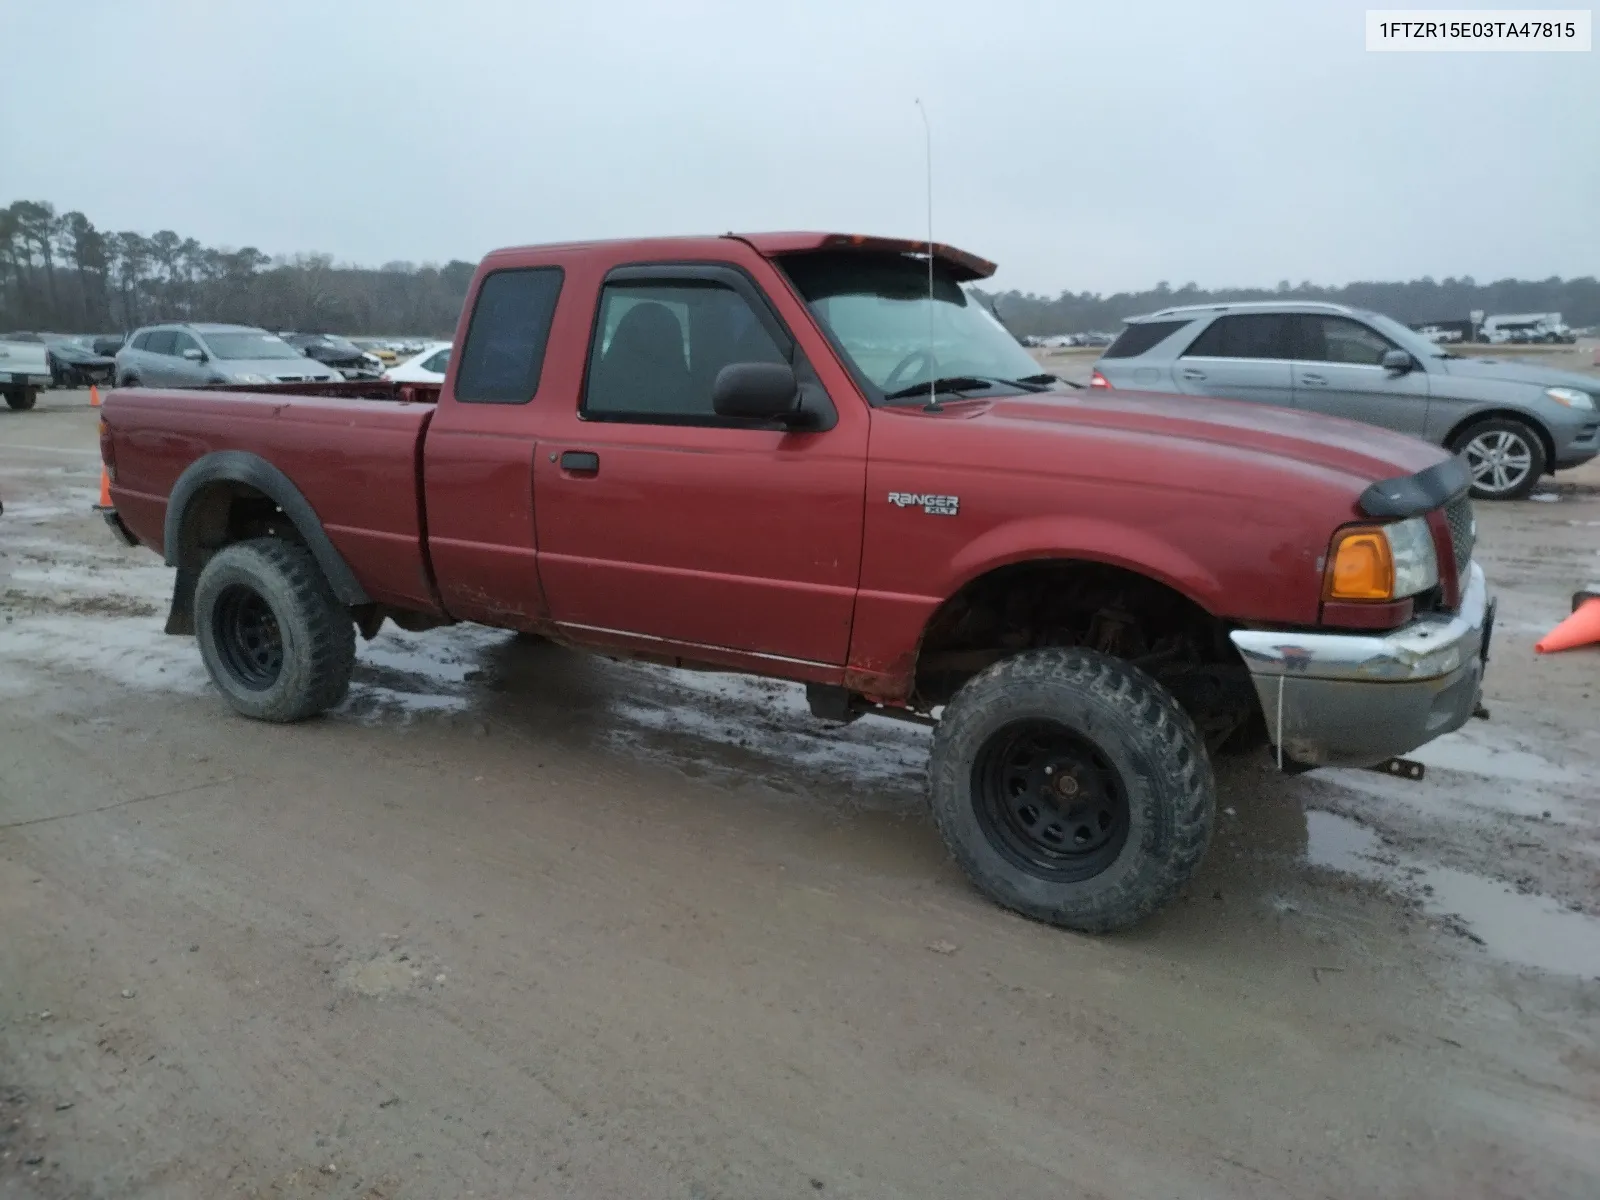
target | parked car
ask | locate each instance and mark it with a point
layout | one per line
(75, 363)
(107, 343)
(24, 369)
(1523, 328)
(176, 355)
(1514, 421)
(343, 355)
(427, 367)
(743, 453)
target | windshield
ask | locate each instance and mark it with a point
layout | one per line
(250, 344)
(1407, 339)
(876, 306)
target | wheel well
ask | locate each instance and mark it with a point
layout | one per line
(1065, 602)
(218, 514)
(1506, 414)
(224, 512)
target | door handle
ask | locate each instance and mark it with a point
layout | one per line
(584, 462)
(1318, 379)
(1191, 373)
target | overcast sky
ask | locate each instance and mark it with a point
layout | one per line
(1092, 146)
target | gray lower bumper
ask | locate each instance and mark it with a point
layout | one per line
(1354, 700)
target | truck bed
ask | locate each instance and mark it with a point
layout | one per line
(352, 450)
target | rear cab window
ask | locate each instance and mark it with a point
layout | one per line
(1136, 339)
(503, 355)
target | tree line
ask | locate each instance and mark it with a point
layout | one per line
(58, 272)
(62, 274)
(1414, 302)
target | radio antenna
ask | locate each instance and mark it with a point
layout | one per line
(927, 141)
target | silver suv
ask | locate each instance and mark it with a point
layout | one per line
(196, 355)
(1514, 421)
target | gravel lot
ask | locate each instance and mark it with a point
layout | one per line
(519, 922)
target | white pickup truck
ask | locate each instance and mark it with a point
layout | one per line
(24, 369)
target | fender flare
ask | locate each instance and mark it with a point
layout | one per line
(239, 466)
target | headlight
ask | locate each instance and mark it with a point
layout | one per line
(1381, 562)
(1571, 397)
(247, 378)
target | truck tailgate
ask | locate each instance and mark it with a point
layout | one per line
(357, 462)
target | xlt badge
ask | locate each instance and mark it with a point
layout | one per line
(937, 506)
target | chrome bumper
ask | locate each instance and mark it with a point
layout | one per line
(1336, 699)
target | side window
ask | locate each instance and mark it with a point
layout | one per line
(504, 351)
(439, 362)
(142, 341)
(1251, 335)
(161, 341)
(1341, 340)
(1136, 339)
(659, 346)
(182, 341)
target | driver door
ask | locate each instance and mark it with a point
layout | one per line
(660, 522)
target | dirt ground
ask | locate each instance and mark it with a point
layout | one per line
(520, 922)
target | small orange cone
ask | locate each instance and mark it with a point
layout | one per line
(94, 396)
(105, 488)
(1580, 629)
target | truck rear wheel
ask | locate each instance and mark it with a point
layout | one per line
(274, 637)
(22, 399)
(1072, 788)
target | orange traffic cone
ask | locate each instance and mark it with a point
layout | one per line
(1580, 629)
(94, 396)
(105, 489)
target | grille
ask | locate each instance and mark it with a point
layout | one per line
(1463, 530)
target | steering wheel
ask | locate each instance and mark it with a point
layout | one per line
(903, 367)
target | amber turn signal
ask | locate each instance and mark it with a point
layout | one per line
(1361, 567)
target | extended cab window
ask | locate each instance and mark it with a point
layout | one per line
(658, 348)
(504, 351)
(182, 341)
(142, 342)
(1341, 340)
(1252, 335)
(161, 341)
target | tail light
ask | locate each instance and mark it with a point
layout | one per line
(1098, 380)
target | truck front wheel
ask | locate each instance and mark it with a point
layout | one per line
(22, 399)
(1072, 788)
(274, 637)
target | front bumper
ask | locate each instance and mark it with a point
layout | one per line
(1353, 700)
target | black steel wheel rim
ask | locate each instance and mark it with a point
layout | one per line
(248, 639)
(1050, 801)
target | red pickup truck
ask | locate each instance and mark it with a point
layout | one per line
(810, 456)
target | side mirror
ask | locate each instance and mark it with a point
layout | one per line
(756, 392)
(1397, 361)
(193, 355)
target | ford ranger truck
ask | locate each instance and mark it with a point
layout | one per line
(794, 455)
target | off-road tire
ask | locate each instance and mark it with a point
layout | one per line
(1138, 728)
(1517, 429)
(316, 632)
(22, 399)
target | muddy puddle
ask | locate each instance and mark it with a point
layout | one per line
(1526, 929)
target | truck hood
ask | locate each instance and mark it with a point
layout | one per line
(1365, 453)
(1511, 371)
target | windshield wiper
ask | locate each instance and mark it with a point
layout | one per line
(966, 383)
(946, 383)
(1044, 379)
